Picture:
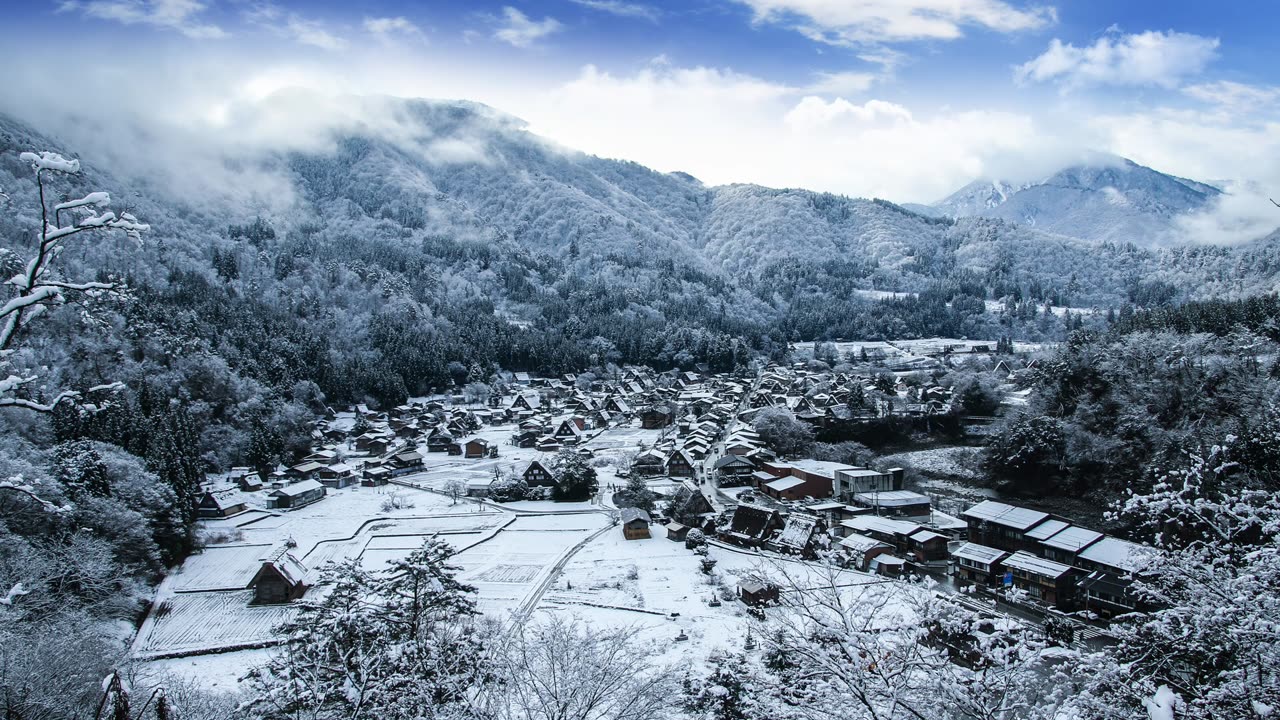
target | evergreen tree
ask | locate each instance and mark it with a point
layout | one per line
(575, 478)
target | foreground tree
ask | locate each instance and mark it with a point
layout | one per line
(1211, 644)
(395, 644)
(845, 646)
(38, 287)
(558, 669)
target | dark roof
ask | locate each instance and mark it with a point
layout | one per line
(751, 521)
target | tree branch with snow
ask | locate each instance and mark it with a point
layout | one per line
(37, 288)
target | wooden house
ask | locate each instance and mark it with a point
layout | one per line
(859, 550)
(979, 564)
(1002, 526)
(536, 475)
(635, 524)
(757, 593)
(477, 448)
(679, 464)
(223, 503)
(1044, 580)
(657, 417)
(300, 494)
(282, 578)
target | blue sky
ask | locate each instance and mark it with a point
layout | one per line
(905, 99)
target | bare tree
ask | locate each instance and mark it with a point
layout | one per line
(37, 288)
(565, 670)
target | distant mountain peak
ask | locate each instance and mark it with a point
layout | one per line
(1108, 198)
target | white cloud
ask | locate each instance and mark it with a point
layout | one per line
(312, 32)
(1234, 96)
(1155, 58)
(520, 31)
(727, 127)
(621, 9)
(385, 26)
(294, 26)
(842, 83)
(853, 22)
(180, 15)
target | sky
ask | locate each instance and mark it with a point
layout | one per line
(901, 99)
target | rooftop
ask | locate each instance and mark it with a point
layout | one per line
(1073, 539)
(978, 553)
(1007, 515)
(1030, 563)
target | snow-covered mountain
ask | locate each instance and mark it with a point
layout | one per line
(1117, 200)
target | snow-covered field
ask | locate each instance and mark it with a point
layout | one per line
(526, 559)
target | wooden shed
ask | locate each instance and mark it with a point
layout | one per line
(635, 524)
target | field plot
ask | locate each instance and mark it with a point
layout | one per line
(208, 620)
(507, 568)
(221, 567)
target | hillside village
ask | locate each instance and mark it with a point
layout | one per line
(484, 475)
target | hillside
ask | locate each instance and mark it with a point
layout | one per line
(464, 244)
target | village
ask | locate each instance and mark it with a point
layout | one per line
(692, 568)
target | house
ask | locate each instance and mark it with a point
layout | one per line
(927, 547)
(798, 535)
(1110, 564)
(757, 593)
(536, 475)
(300, 494)
(752, 524)
(223, 503)
(677, 532)
(860, 550)
(979, 564)
(305, 470)
(547, 443)
(734, 470)
(851, 481)
(1002, 526)
(376, 476)
(649, 463)
(680, 464)
(1064, 545)
(635, 524)
(439, 440)
(815, 478)
(894, 532)
(281, 579)
(569, 432)
(526, 438)
(477, 448)
(657, 417)
(405, 463)
(1045, 580)
(895, 503)
(479, 487)
(336, 476)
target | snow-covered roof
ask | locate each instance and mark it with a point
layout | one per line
(923, 535)
(1030, 563)
(298, 488)
(1047, 529)
(1115, 553)
(797, 531)
(819, 467)
(861, 543)
(880, 524)
(785, 483)
(1011, 516)
(1073, 539)
(978, 553)
(825, 506)
(891, 498)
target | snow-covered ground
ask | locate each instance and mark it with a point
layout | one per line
(526, 559)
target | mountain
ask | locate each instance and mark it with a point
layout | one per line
(1119, 201)
(461, 243)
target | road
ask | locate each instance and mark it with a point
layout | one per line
(705, 475)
